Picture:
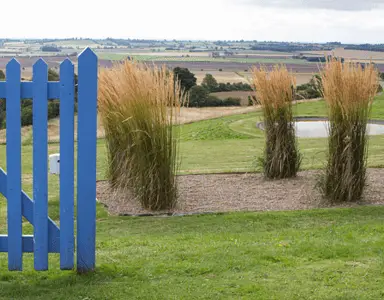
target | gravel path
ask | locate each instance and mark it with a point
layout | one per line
(241, 192)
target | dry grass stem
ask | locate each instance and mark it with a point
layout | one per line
(349, 90)
(138, 106)
(275, 93)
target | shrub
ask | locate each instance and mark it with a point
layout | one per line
(53, 109)
(348, 90)
(187, 78)
(210, 83)
(213, 101)
(26, 104)
(138, 106)
(198, 96)
(252, 101)
(222, 87)
(26, 116)
(53, 75)
(220, 70)
(310, 90)
(231, 101)
(2, 104)
(27, 111)
(50, 48)
(275, 93)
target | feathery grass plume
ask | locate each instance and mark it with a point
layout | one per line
(139, 105)
(275, 93)
(348, 90)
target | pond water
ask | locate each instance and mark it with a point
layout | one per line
(319, 129)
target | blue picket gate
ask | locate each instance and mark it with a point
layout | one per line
(47, 236)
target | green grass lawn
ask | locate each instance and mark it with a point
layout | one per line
(317, 254)
(321, 254)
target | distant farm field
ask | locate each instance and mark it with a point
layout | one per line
(221, 77)
(302, 78)
(233, 68)
(200, 58)
(75, 43)
(243, 95)
(358, 55)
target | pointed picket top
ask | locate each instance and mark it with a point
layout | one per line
(40, 64)
(13, 64)
(87, 54)
(66, 69)
(66, 64)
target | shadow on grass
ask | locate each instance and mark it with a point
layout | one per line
(58, 284)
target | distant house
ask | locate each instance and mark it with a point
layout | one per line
(220, 54)
(298, 56)
(195, 49)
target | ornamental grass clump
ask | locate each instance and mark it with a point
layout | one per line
(275, 93)
(139, 105)
(348, 90)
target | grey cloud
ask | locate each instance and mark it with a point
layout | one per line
(343, 5)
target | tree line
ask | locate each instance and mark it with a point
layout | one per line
(26, 104)
(200, 95)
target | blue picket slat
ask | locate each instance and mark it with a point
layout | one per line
(86, 160)
(40, 165)
(67, 107)
(13, 135)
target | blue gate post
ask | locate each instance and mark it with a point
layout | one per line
(86, 161)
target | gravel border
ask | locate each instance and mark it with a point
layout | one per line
(221, 193)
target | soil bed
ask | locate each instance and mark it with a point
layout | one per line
(240, 192)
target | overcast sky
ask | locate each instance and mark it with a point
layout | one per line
(347, 21)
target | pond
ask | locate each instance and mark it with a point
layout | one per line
(319, 129)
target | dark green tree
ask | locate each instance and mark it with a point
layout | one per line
(310, 90)
(210, 83)
(2, 113)
(50, 48)
(186, 78)
(53, 75)
(26, 104)
(198, 95)
(2, 103)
